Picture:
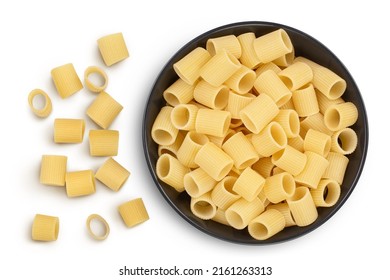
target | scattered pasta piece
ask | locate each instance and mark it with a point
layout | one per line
(47, 106)
(66, 80)
(103, 143)
(96, 217)
(53, 170)
(69, 130)
(80, 183)
(113, 48)
(133, 212)
(100, 72)
(112, 174)
(45, 228)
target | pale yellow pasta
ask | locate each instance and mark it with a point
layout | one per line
(269, 83)
(53, 170)
(235, 123)
(267, 66)
(314, 169)
(94, 70)
(248, 55)
(296, 143)
(249, 184)
(45, 228)
(324, 102)
(223, 195)
(326, 194)
(133, 212)
(220, 140)
(203, 207)
(285, 60)
(189, 67)
(173, 148)
(212, 122)
(103, 143)
(69, 130)
(285, 210)
(289, 105)
(228, 42)
(171, 171)
(289, 120)
(163, 131)
(104, 109)
(220, 68)
(241, 150)
(220, 217)
(302, 207)
(236, 102)
(315, 122)
(259, 113)
(241, 212)
(183, 116)
(40, 111)
(264, 166)
(179, 93)
(113, 48)
(270, 140)
(305, 101)
(296, 75)
(66, 80)
(197, 182)
(266, 225)
(190, 147)
(317, 142)
(290, 160)
(215, 97)
(263, 198)
(279, 187)
(106, 227)
(112, 174)
(242, 80)
(340, 116)
(277, 170)
(80, 183)
(344, 141)
(273, 45)
(337, 166)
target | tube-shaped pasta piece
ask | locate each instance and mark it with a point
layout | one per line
(344, 141)
(324, 102)
(191, 145)
(235, 123)
(80, 183)
(337, 166)
(104, 109)
(53, 170)
(220, 140)
(228, 42)
(248, 55)
(259, 113)
(297, 143)
(103, 222)
(66, 80)
(236, 102)
(214, 161)
(264, 166)
(197, 182)
(267, 66)
(40, 111)
(242, 80)
(179, 93)
(277, 170)
(340, 116)
(249, 184)
(315, 122)
(289, 120)
(290, 160)
(288, 105)
(285, 60)
(113, 48)
(171, 171)
(241, 150)
(103, 143)
(305, 101)
(112, 174)
(223, 195)
(270, 140)
(220, 217)
(266, 225)
(270, 46)
(215, 97)
(203, 207)
(189, 67)
(173, 148)
(183, 116)
(212, 122)
(91, 70)
(45, 228)
(163, 131)
(326, 194)
(314, 169)
(69, 130)
(296, 75)
(220, 68)
(241, 212)
(279, 187)
(285, 210)
(133, 212)
(317, 142)
(269, 83)
(263, 198)
(302, 206)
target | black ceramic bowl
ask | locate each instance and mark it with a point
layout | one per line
(304, 45)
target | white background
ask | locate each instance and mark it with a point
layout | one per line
(37, 36)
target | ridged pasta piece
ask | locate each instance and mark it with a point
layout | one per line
(214, 97)
(264, 166)
(212, 122)
(80, 183)
(220, 140)
(171, 171)
(235, 123)
(236, 102)
(270, 140)
(241, 212)
(112, 174)
(228, 42)
(101, 220)
(100, 73)
(263, 198)
(173, 148)
(305, 101)
(285, 60)
(315, 122)
(53, 170)
(223, 195)
(66, 80)
(314, 169)
(163, 131)
(220, 217)
(189, 67)
(289, 105)
(270, 46)
(133, 212)
(47, 107)
(248, 55)
(297, 143)
(69, 130)
(285, 210)
(277, 170)
(103, 143)
(249, 184)
(296, 75)
(289, 120)
(267, 66)
(267, 224)
(344, 141)
(203, 207)
(242, 80)
(302, 207)
(45, 228)
(197, 182)
(104, 109)
(113, 48)
(179, 93)
(183, 116)
(191, 145)
(290, 160)
(338, 164)
(279, 187)
(324, 102)
(326, 194)
(340, 116)
(317, 142)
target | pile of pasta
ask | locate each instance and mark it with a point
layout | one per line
(257, 137)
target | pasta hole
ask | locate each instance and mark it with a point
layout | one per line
(260, 231)
(204, 209)
(332, 118)
(171, 98)
(97, 227)
(248, 123)
(191, 186)
(228, 184)
(299, 194)
(286, 40)
(221, 98)
(337, 89)
(210, 47)
(325, 193)
(180, 116)
(331, 193)
(246, 82)
(288, 185)
(96, 79)
(295, 126)
(277, 133)
(198, 138)
(39, 102)
(163, 136)
(347, 140)
(276, 156)
(287, 81)
(163, 166)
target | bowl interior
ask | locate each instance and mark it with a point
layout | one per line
(304, 45)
